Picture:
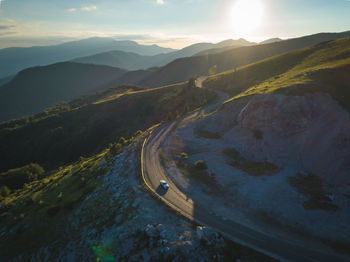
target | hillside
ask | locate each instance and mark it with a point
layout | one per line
(63, 133)
(15, 59)
(319, 68)
(5, 80)
(182, 69)
(35, 89)
(129, 61)
(135, 77)
(279, 148)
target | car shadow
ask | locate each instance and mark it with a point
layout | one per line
(161, 191)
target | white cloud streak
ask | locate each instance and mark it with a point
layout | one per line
(160, 2)
(89, 8)
(84, 8)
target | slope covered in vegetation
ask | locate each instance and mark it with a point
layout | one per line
(37, 88)
(64, 133)
(321, 68)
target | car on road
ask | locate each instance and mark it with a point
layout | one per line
(164, 184)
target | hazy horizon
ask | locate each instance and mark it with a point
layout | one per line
(167, 23)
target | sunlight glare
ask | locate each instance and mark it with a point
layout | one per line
(247, 16)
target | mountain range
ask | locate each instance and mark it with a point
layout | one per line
(15, 59)
(182, 69)
(133, 61)
(34, 89)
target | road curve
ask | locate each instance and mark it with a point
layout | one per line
(153, 171)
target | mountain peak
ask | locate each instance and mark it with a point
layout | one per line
(271, 40)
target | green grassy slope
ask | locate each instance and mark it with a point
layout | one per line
(181, 69)
(37, 88)
(41, 206)
(63, 134)
(324, 67)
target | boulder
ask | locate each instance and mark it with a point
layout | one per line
(151, 231)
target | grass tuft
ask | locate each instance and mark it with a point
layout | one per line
(252, 168)
(311, 186)
(207, 134)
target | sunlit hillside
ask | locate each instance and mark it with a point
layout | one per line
(323, 67)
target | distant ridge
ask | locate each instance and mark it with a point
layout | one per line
(37, 88)
(182, 69)
(132, 61)
(15, 59)
(272, 40)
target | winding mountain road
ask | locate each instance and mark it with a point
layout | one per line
(153, 171)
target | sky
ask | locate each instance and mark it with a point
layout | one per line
(168, 23)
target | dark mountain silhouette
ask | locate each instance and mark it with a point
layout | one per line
(126, 60)
(37, 88)
(132, 61)
(15, 59)
(5, 80)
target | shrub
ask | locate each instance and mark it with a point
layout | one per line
(137, 133)
(53, 210)
(192, 82)
(5, 191)
(184, 155)
(257, 133)
(231, 152)
(201, 165)
(252, 168)
(16, 178)
(122, 140)
(115, 148)
(312, 187)
(207, 134)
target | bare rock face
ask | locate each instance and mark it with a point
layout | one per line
(311, 132)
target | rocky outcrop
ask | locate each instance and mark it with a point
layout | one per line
(311, 132)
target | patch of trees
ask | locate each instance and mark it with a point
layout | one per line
(16, 178)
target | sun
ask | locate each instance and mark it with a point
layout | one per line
(247, 16)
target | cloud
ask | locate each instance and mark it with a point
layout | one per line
(6, 27)
(84, 8)
(133, 37)
(160, 2)
(89, 8)
(7, 33)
